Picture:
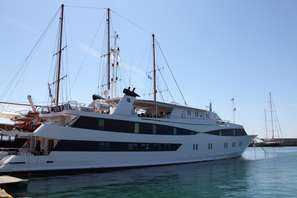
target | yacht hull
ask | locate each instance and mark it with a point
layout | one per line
(192, 148)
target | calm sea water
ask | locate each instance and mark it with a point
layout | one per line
(256, 174)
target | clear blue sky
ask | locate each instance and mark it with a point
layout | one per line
(218, 50)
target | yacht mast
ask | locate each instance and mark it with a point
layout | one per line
(271, 114)
(58, 74)
(108, 49)
(115, 50)
(154, 74)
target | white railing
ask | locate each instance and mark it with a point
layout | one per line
(5, 157)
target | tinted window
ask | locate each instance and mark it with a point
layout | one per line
(145, 128)
(118, 125)
(164, 130)
(128, 127)
(214, 132)
(180, 131)
(86, 123)
(228, 132)
(76, 145)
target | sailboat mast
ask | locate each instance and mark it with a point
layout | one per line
(154, 74)
(265, 117)
(108, 48)
(271, 114)
(58, 74)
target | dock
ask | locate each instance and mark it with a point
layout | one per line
(6, 180)
(276, 142)
(4, 194)
(10, 183)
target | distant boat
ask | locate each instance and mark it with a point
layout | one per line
(121, 132)
(275, 130)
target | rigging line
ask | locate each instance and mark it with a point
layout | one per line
(66, 62)
(160, 91)
(131, 22)
(279, 129)
(54, 63)
(14, 82)
(170, 70)
(68, 79)
(85, 56)
(85, 7)
(102, 78)
(23, 64)
(161, 74)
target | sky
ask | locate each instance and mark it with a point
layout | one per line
(217, 49)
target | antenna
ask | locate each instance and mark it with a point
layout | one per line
(271, 114)
(233, 109)
(59, 57)
(154, 74)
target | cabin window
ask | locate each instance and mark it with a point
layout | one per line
(154, 129)
(189, 113)
(86, 123)
(195, 147)
(145, 128)
(214, 132)
(119, 125)
(233, 144)
(209, 146)
(182, 114)
(228, 132)
(5, 138)
(164, 130)
(240, 144)
(136, 128)
(240, 132)
(181, 131)
(226, 145)
(174, 131)
(50, 146)
(196, 114)
(101, 124)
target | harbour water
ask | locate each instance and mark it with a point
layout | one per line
(272, 173)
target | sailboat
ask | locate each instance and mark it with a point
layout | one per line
(275, 129)
(121, 132)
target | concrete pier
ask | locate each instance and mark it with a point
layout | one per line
(276, 142)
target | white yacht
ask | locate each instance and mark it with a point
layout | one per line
(122, 132)
(97, 138)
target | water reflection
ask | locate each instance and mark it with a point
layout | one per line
(241, 177)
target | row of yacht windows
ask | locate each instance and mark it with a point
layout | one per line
(75, 145)
(226, 145)
(194, 114)
(7, 138)
(229, 132)
(144, 128)
(128, 126)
